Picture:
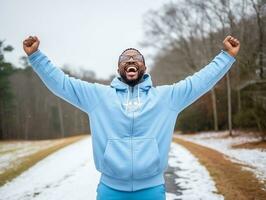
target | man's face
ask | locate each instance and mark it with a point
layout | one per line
(131, 67)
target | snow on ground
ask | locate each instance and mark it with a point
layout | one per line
(70, 174)
(193, 178)
(12, 153)
(255, 158)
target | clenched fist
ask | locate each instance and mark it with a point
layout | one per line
(30, 45)
(231, 45)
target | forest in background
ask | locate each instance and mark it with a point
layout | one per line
(186, 35)
(30, 111)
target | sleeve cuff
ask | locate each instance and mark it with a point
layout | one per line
(34, 55)
(228, 56)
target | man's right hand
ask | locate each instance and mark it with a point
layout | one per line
(30, 45)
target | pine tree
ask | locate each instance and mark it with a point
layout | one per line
(6, 95)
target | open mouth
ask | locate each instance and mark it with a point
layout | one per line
(132, 69)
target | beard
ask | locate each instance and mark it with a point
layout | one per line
(132, 82)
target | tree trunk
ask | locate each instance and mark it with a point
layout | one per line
(239, 103)
(214, 109)
(61, 119)
(76, 115)
(1, 120)
(228, 84)
(26, 130)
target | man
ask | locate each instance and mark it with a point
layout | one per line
(131, 121)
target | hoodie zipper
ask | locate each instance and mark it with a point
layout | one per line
(131, 136)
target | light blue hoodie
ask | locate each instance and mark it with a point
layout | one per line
(131, 127)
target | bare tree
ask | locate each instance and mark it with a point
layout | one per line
(260, 10)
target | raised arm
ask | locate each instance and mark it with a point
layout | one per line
(186, 91)
(77, 92)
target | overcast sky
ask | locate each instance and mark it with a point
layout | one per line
(80, 33)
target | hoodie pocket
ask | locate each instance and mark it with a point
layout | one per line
(126, 158)
(146, 158)
(117, 159)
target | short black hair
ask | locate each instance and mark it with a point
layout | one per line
(131, 48)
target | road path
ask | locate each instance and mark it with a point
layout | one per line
(70, 174)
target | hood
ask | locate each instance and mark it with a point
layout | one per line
(145, 84)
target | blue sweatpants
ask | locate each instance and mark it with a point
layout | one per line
(104, 192)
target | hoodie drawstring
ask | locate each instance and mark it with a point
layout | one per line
(138, 97)
(127, 104)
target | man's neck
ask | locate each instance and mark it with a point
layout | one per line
(133, 84)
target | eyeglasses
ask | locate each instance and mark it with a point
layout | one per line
(125, 58)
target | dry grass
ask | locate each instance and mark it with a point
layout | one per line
(252, 145)
(29, 161)
(231, 181)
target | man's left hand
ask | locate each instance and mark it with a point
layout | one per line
(231, 45)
